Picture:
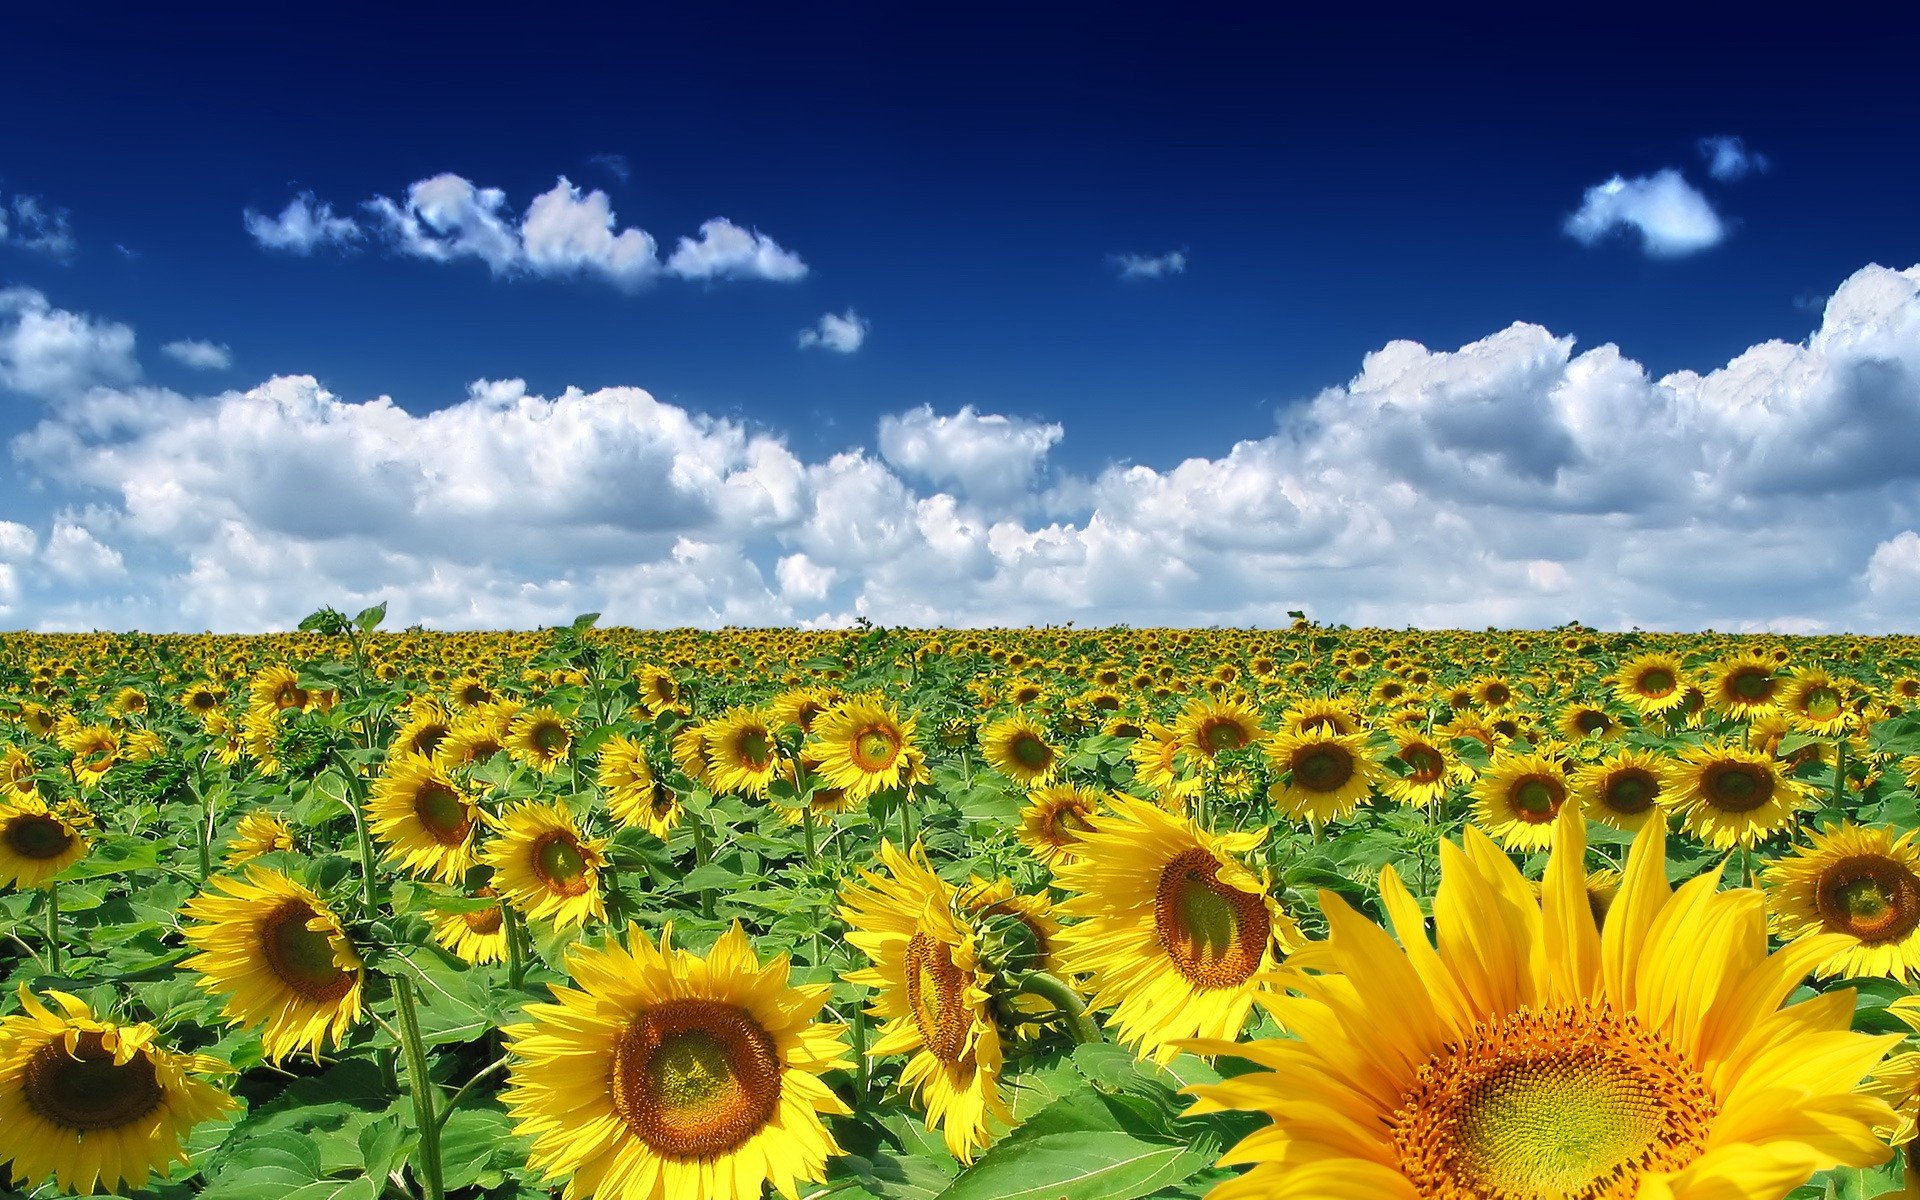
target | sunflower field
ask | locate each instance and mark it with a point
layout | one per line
(1016, 914)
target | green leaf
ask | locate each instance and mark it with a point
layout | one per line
(369, 618)
(477, 1145)
(112, 856)
(1076, 1166)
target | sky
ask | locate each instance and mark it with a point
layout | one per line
(1176, 316)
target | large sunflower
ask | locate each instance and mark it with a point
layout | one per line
(1816, 702)
(1518, 799)
(1324, 776)
(744, 752)
(1054, 819)
(280, 956)
(932, 995)
(541, 738)
(544, 867)
(1730, 796)
(92, 1103)
(1018, 749)
(423, 819)
(663, 1074)
(1862, 884)
(1625, 790)
(861, 747)
(1651, 684)
(1176, 932)
(1742, 686)
(37, 842)
(1531, 1055)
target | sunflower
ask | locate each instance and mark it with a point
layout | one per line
(1518, 799)
(862, 746)
(469, 691)
(471, 740)
(1625, 790)
(1651, 684)
(1156, 766)
(544, 867)
(991, 903)
(1324, 776)
(690, 753)
(17, 770)
(1054, 819)
(664, 1074)
(541, 738)
(258, 833)
(1860, 883)
(1175, 931)
(744, 752)
(932, 996)
(96, 1104)
(477, 935)
(37, 842)
(1207, 728)
(423, 820)
(636, 797)
(203, 699)
(1533, 1054)
(1816, 702)
(1017, 748)
(1742, 686)
(1432, 771)
(276, 687)
(427, 726)
(659, 691)
(95, 750)
(800, 707)
(280, 956)
(1579, 722)
(1493, 693)
(1322, 716)
(1730, 796)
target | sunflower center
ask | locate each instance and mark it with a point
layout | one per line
(1425, 763)
(442, 813)
(1322, 768)
(874, 749)
(1215, 935)
(37, 836)
(85, 1090)
(302, 958)
(695, 1078)
(1536, 799)
(1068, 822)
(1030, 752)
(936, 990)
(1738, 787)
(1751, 684)
(558, 862)
(1593, 721)
(1222, 734)
(1657, 681)
(1497, 693)
(1631, 791)
(1821, 701)
(1870, 897)
(1572, 1103)
(550, 738)
(756, 748)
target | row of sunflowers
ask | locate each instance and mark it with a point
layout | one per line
(886, 914)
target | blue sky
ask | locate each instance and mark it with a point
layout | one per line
(968, 187)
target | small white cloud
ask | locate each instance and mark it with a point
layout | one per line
(52, 353)
(986, 456)
(844, 332)
(1729, 160)
(726, 251)
(75, 555)
(1671, 217)
(201, 356)
(302, 227)
(1157, 266)
(801, 578)
(37, 226)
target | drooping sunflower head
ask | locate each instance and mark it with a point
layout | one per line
(544, 867)
(1518, 798)
(862, 746)
(541, 738)
(1730, 796)
(91, 1103)
(659, 691)
(1625, 790)
(258, 833)
(1861, 883)
(423, 819)
(698, 1073)
(17, 770)
(280, 956)
(1208, 728)
(37, 842)
(744, 750)
(800, 707)
(1017, 747)
(1054, 819)
(1324, 776)
(1651, 683)
(1157, 767)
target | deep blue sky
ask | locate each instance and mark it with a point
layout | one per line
(960, 179)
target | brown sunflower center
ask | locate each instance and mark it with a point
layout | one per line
(560, 864)
(1424, 763)
(1322, 768)
(1821, 701)
(1592, 720)
(1030, 752)
(875, 748)
(756, 748)
(1496, 693)
(549, 737)
(1222, 733)
(1630, 790)
(1752, 684)
(1656, 682)
(936, 990)
(37, 836)
(302, 957)
(1737, 787)
(695, 1079)
(1573, 1103)
(1537, 798)
(1214, 935)
(84, 1090)
(484, 920)
(442, 813)
(1871, 897)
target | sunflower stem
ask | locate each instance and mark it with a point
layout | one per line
(1063, 998)
(52, 905)
(859, 1051)
(357, 797)
(702, 855)
(516, 949)
(421, 1085)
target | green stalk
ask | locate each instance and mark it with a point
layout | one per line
(1055, 992)
(516, 950)
(52, 905)
(421, 1085)
(702, 853)
(859, 1051)
(357, 801)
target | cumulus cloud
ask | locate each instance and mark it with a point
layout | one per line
(842, 332)
(565, 232)
(1149, 266)
(1670, 216)
(201, 356)
(1729, 160)
(1520, 479)
(50, 353)
(302, 227)
(30, 223)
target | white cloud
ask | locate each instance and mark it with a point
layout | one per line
(302, 227)
(201, 356)
(1671, 217)
(51, 353)
(1518, 479)
(1156, 266)
(842, 332)
(1729, 160)
(566, 232)
(30, 223)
